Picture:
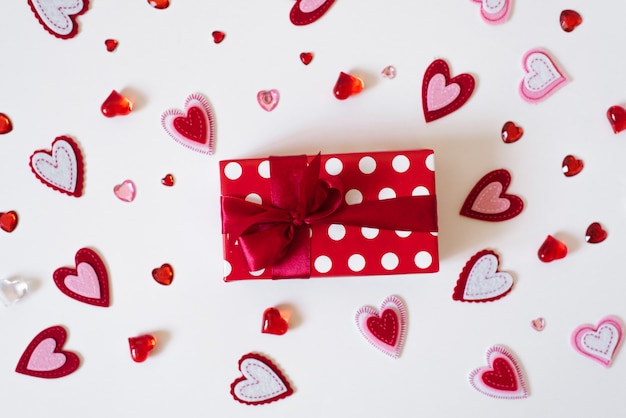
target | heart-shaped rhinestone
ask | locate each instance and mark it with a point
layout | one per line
(141, 346)
(5, 124)
(218, 36)
(617, 118)
(306, 57)
(389, 72)
(552, 249)
(511, 132)
(268, 99)
(12, 290)
(538, 324)
(159, 4)
(273, 322)
(111, 44)
(168, 180)
(163, 275)
(116, 105)
(8, 221)
(125, 191)
(572, 166)
(570, 19)
(595, 233)
(347, 85)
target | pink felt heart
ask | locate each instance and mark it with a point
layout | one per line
(439, 94)
(85, 282)
(542, 77)
(502, 378)
(480, 280)
(599, 343)
(58, 17)
(385, 331)
(194, 128)
(44, 357)
(268, 99)
(494, 11)
(125, 191)
(489, 200)
(88, 283)
(442, 95)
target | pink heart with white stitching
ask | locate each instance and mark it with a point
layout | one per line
(58, 17)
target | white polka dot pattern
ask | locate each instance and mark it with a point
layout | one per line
(390, 261)
(420, 191)
(233, 170)
(423, 259)
(369, 233)
(323, 264)
(264, 169)
(367, 165)
(254, 198)
(353, 197)
(336, 232)
(430, 162)
(227, 268)
(386, 193)
(401, 163)
(356, 262)
(334, 166)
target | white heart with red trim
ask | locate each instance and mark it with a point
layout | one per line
(261, 383)
(484, 282)
(55, 14)
(60, 168)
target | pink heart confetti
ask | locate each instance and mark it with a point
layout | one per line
(125, 191)
(389, 72)
(538, 324)
(268, 99)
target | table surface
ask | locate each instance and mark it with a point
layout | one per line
(51, 87)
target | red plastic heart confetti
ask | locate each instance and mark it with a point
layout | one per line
(61, 168)
(8, 220)
(481, 281)
(218, 36)
(599, 343)
(141, 346)
(273, 322)
(503, 377)
(44, 357)
(305, 12)
(193, 129)
(306, 57)
(116, 105)
(442, 95)
(88, 282)
(347, 85)
(552, 249)
(262, 382)
(168, 180)
(163, 275)
(572, 166)
(5, 124)
(268, 99)
(125, 191)
(159, 4)
(617, 118)
(595, 233)
(385, 330)
(511, 132)
(538, 324)
(570, 19)
(111, 44)
(494, 12)
(488, 201)
(58, 17)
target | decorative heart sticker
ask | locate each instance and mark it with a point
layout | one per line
(88, 283)
(44, 357)
(385, 331)
(125, 191)
(262, 382)
(58, 17)
(494, 12)
(305, 12)
(193, 129)
(600, 343)
(442, 95)
(502, 378)
(268, 99)
(480, 280)
(61, 168)
(488, 201)
(542, 76)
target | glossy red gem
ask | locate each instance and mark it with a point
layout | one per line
(347, 85)
(511, 132)
(8, 221)
(111, 44)
(617, 117)
(306, 57)
(164, 274)
(218, 36)
(273, 322)
(552, 249)
(168, 180)
(5, 124)
(141, 346)
(595, 233)
(572, 166)
(159, 4)
(570, 19)
(116, 105)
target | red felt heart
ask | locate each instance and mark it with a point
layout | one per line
(305, 12)
(59, 17)
(261, 381)
(44, 357)
(386, 327)
(502, 376)
(88, 282)
(442, 95)
(61, 168)
(192, 126)
(488, 201)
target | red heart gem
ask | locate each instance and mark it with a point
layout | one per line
(141, 346)
(159, 4)
(44, 357)
(273, 322)
(5, 124)
(511, 132)
(572, 166)
(168, 180)
(595, 233)
(347, 85)
(617, 117)
(306, 57)
(385, 328)
(163, 275)
(116, 105)
(111, 44)
(8, 221)
(570, 19)
(488, 201)
(552, 249)
(218, 36)
(502, 376)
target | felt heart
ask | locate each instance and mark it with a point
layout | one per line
(494, 11)
(125, 191)
(61, 168)
(44, 357)
(487, 200)
(193, 129)
(88, 283)
(542, 76)
(480, 280)
(268, 99)
(599, 343)
(305, 12)
(502, 378)
(58, 17)
(385, 331)
(262, 382)
(442, 95)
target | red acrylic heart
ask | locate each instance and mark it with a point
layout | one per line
(347, 85)
(595, 233)
(386, 327)
(111, 44)
(163, 275)
(159, 4)
(141, 346)
(570, 19)
(273, 322)
(116, 105)
(5, 124)
(8, 221)
(306, 57)
(483, 204)
(168, 180)
(552, 249)
(511, 132)
(218, 36)
(48, 362)
(617, 118)
(572, 166)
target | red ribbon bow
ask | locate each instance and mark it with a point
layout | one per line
(277, 235)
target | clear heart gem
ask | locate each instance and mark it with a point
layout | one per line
(12, 290)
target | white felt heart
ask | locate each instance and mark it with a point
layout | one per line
(57, 15)
(484, 282)
(542, 76)
(599, 343)
(59, 169)
(260, 382)
(494, 11)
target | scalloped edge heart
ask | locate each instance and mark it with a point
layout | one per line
(469, 274)
(90, 257)
(269, 371)
(59, 335)
(507, 361)
(72, 18)
(67, 145)
(503, 177)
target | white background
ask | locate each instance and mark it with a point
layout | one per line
(50, 87)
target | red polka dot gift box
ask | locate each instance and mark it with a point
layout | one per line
(330, 215)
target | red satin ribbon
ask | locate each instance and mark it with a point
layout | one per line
(277, 235)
